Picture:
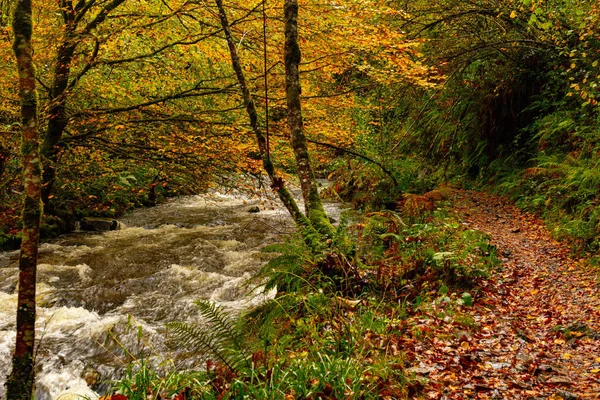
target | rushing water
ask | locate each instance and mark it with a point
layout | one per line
(153, 269)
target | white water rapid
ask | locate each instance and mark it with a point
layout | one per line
(153, 269)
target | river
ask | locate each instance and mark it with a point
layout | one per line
(146, 274)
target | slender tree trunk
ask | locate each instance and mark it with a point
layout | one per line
(314, 208)
(57, 109)
(20, 384)
(57, 116)
(276, 182)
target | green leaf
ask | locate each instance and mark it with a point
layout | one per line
(467, 299)
(443, 290)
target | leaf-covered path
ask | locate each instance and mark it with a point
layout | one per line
(537, 333)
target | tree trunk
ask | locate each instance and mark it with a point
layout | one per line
(57, 109)
(20, 384)
(57, 118)
(276, 182)
(314, 208)
(57, 103)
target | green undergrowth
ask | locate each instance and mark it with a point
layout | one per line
(106, 194)
(561, 183)
(343, 310)
(367, 187)
(564, 191)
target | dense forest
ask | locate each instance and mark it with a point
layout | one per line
(461, 138)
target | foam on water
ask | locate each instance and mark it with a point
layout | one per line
(151, 272)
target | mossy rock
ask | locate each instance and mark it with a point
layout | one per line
(96, 224)
(9, 242)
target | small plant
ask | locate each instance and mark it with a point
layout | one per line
(143, 381)
(219, 337)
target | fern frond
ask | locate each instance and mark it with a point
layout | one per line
(220, 338)
(201, 340)
(223, 325)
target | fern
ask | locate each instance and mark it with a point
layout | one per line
(285, 271)
(220, 338)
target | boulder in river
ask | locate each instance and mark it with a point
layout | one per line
(78, 392)
(97, 224)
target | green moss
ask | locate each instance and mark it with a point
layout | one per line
(22, 26)
(9, 242)
(20, 382)
(37, 169)
(268, 165)
(32, 212)
(29, 99)
(26, 148)
(319, 219)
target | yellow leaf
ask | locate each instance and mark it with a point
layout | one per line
(513, 14)
(567, 356)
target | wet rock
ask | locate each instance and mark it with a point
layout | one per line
(90, 375)
(254, 209)
(77, 393)
(96, 224)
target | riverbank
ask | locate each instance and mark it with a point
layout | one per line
(343, 320)
(470, 299)
(94, 285)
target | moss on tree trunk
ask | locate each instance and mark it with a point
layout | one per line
(20, 384)
(314, 207)
(276, 182)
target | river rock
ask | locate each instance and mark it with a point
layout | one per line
(91, 375)
(78, 392)
(97, 224)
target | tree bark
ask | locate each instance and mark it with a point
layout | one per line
(20, 384)
(57, 109)
(57, 118)
(314, 207)
(276, 182)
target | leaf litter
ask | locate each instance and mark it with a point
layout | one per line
(535, 330)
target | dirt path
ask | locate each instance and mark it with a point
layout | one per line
(538, 318)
